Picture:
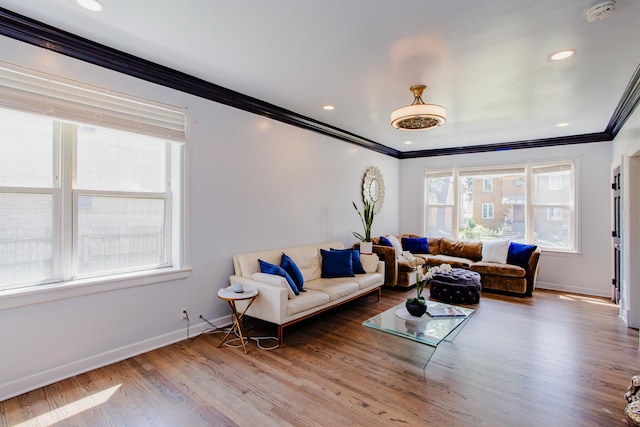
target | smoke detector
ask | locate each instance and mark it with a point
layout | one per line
(601, 10)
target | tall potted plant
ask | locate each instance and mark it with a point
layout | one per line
(367, 221)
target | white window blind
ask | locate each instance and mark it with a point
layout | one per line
(35, 92)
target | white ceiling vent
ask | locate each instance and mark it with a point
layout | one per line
(601, 10)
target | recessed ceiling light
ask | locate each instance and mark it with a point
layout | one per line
(563, 124)
(563, 54)
(328, 107)
(408, 142)
(92, 5)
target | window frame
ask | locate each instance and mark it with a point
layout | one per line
(457, 172)
(145, 117)
(489, 208)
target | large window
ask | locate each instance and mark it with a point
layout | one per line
(531, 203)
(78, 200)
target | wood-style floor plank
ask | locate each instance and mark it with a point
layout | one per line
(555, 359)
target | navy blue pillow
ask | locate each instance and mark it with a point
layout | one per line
(519, 254)
(355, 260)
(292, 269)
(269, 268)
(385, 242)
(415, 245)
(336, 264)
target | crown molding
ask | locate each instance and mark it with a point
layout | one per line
(532, 143)
(36, 33)
(626, 106)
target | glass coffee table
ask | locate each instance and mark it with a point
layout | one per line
(415, 339)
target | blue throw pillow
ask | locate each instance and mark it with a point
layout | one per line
(336, 264)
(415, 245)
(385, 242)
(269, 268)
(292, 269)
(355, 260)
(519, 254)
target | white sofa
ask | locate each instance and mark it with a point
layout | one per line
(274, 303)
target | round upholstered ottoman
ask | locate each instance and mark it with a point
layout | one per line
(458, 286)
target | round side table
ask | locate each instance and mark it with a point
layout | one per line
(231, 297)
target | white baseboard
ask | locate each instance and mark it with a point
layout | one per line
(572, 289)
(50, 376)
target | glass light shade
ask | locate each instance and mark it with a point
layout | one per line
(419, 117)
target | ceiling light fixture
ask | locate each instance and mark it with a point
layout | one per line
(563, 124)
(418, 116)
(563, 54)
(92, 5)
(328, 107)
(408, 142)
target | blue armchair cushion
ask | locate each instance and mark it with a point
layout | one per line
(336, 264)
(385, 242)
(269, 268)
(355, 260)
(415, 245)
(519, 254)
(293, 271)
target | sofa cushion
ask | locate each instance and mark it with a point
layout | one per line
(334, 288)
(307, 258)
(405, 266)
(369, 262)
(451, 260)
(292, 269)
(459, 248)
(519, 254)
(306, 301)
(267, 267)
(415, 245)
(363, 280)
(506, 270)
(434, 245)
(355, 260)
(275, 280)
(495, 251)
(336, 264)
(396, 245)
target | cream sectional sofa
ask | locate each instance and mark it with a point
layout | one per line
(276, 304)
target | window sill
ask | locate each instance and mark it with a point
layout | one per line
(13, 298)
(561, 253)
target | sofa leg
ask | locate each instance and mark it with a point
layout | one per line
(280, 334)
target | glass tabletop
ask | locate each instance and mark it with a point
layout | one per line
(425, 329)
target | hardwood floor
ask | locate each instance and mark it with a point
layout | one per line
(554, 359)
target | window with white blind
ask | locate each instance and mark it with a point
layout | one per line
(532, 203)
(89, 181)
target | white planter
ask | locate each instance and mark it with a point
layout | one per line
(366, 247)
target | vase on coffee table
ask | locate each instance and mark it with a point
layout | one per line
(416, 306)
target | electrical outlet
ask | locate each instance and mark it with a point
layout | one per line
(183, 314)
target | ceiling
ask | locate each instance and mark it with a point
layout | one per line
(487, 62)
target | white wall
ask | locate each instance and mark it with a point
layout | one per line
(588, 272)
(253, 184)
